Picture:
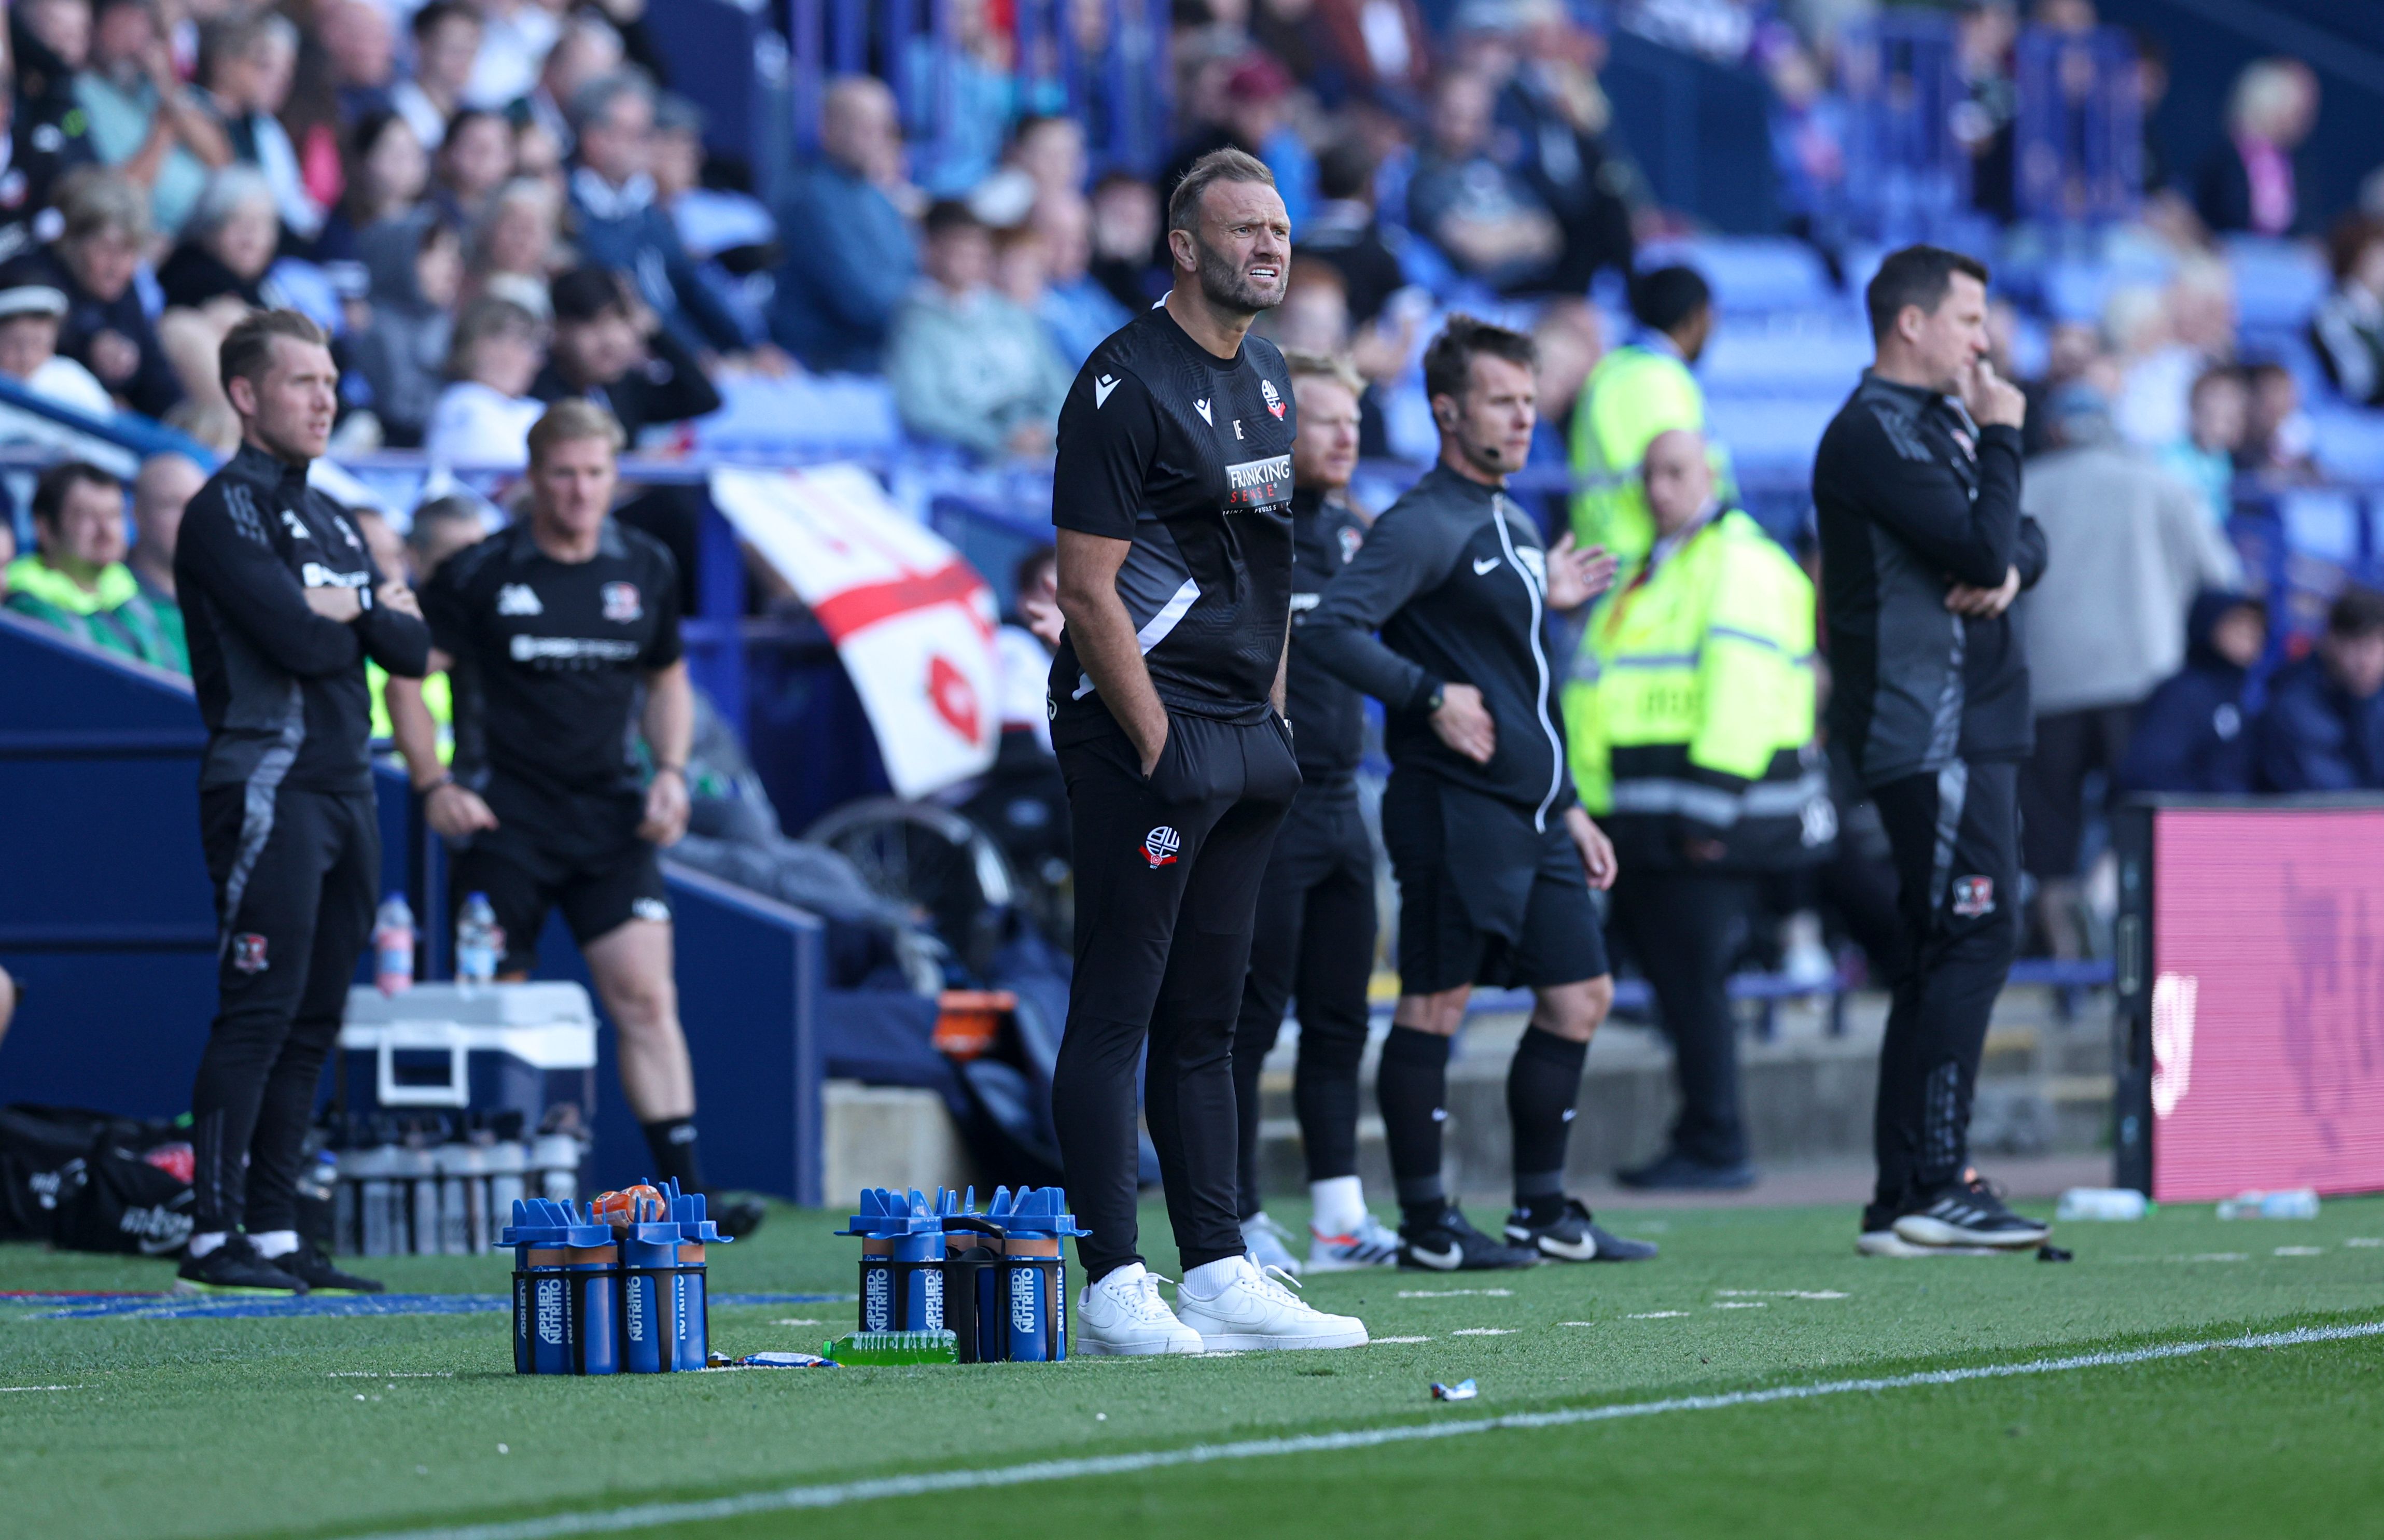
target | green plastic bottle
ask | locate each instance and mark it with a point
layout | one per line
(867, 1348)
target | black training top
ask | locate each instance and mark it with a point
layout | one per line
(1455, 577)
(1327, 717)
(548, 656)
(1189, 456)
(281, 688)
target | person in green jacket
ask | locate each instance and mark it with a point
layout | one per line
(1689, 721)
(1638, 390)
(77, 581)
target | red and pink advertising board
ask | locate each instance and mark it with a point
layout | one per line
(2266, 1000)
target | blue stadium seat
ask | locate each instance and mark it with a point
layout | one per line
(1745, 360)
(2350, 441)
(1772, 437)
(805, 416)
(2278, 283)
(1751, 274)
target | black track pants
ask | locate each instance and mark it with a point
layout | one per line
(1956, 835)
(1683, 927)
(294, 874)
(1167, 882)
(1314, 943)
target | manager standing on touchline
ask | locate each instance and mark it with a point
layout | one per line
(282, 605)
(1173, 499)
(1915, 488)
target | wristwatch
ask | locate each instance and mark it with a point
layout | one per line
(1439, 694)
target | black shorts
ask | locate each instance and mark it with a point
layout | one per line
(584, 855)
(1484, 897)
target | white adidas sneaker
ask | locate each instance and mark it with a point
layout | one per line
(1124, 1314)
(1368, 1243)
(1253, 1313)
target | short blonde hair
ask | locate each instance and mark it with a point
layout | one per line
(1333, 366)
(570, 421)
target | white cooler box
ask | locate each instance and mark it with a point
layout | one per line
(495, 1047)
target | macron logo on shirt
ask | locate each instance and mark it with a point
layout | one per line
(1101, 388)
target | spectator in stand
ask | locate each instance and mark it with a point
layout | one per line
(1080, 313)
(1379, 49)
(856, 258)
(442, 527)
(1484, 218)
(1557, 115)
(360, 42)
(247, 64)
(143, 120)
(1345, 231)
(446, 41)
(77, 580)
(516, 35)
(2349, 327)
(160, 492)
(2248, 182)
(384, 176)
(969, 367)
(1048, 149)
(1253, 113)
(2218, 416)
(620, 226)
(2193, 735)
(609, 348)
(107, 330)
(29, 313)
(417, 267)
(1126, 230)
(516, 250)
(588, 50)
(2196, 329)
(2323, 728)
(2127, 548)
(49, 138)
(728, 232)
(227, 247)
(2279, 440)
(484, 416)
(474, 160)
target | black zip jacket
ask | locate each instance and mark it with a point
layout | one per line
(1455, 577)
(1328, 718)
(1913, 497)
(281, 688)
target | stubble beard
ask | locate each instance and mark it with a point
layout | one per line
(1230, 289)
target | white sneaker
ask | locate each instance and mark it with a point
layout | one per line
(1368, 1243)
(1270, 1243)
(1253, 1312)
(1124, 1314)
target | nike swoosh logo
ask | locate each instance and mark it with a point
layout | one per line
(1445, 1260)
(1101, 388)
(1482, 567)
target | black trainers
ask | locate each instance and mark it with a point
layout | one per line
(312, 1268)
(1673, 1171)
(1573, 1238)
(234, 1268)
(737, 1217)
(1448, 1244)
(1972, 1212)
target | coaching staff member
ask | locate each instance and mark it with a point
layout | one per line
(1314, 938)
(1172, 498)
(1916, 486)
(282, 605)
(549, 630)
(1494, 854)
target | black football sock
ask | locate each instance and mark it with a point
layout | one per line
(1542, 1082)
(671, 1141)
(1412, 1084)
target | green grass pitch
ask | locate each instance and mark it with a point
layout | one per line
(350, 1426)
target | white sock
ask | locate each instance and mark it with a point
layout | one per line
(1340, 1203)
(203, 1244)
(270, 1244)
(1209, 1280)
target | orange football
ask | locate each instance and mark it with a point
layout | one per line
(621, 1208)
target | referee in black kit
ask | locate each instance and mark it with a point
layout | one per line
(1916, 486)
(1170, 499)
(1494, 854)
(561, 635)
(283, 606)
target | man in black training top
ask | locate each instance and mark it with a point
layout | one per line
(549, 630)
(282, 605)
(1171, 497)
(1915, 488)
(1494, 854)
(1315, 937)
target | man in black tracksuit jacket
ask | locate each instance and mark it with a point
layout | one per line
(282, 604)
(1915, 488)
(1494, 854)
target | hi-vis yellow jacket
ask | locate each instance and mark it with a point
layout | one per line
(1689, 714)
(1635, 393)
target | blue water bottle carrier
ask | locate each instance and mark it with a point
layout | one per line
(996, 1279)
(591, 1297)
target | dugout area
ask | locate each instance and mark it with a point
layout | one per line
(173, 1424)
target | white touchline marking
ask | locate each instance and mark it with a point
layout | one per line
(1484, 1331)
(926, 1484)
(2301, 1251)
(10, 1389)
(392, 1374)
(794, 1320)
(2365, 1240)
(1456, 1293)
(1655, 1315)
(1741, 1305)
(1576, 1323)
(1380, 1340)
(1782, 1294)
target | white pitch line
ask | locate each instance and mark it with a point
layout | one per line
(843, 1493)
(11, 1389)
